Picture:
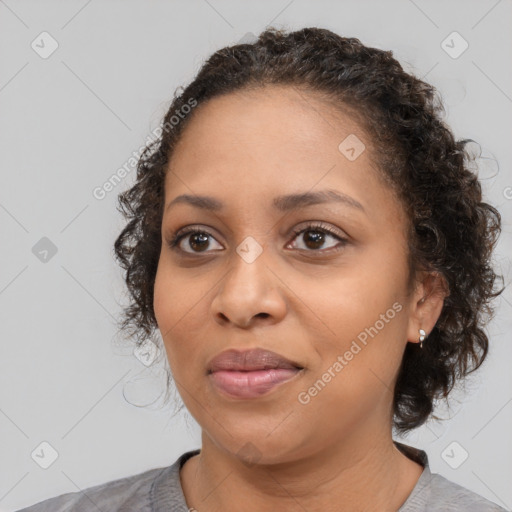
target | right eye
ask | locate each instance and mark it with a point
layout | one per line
(198, 241)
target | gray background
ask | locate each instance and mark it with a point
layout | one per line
(69, 121)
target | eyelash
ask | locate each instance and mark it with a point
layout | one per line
(317, 227)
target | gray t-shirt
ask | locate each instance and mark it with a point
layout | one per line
(159, 490)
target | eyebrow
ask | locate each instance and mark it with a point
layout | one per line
(283, 203)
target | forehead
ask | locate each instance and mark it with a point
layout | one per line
(283, 118)
(271, 141)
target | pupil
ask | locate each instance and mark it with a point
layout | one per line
(202, 243)
(316, 237)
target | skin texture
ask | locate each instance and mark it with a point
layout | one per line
(305, 303)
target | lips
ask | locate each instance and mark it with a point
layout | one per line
(250, 360)
(250, 374)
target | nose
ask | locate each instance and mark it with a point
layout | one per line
(250, 293)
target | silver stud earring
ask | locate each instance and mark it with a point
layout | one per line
(422, 337)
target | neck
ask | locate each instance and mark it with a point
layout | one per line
(360, 472)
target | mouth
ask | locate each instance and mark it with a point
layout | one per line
(251, 360)
(252, 373)
(251, 384)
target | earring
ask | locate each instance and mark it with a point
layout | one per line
(422, 337)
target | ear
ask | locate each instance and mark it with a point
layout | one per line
(426, 304)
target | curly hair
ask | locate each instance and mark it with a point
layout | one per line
(450, 232)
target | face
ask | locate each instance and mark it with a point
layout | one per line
(332, 297)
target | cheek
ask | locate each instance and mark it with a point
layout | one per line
(179, 315)
(163, 294)
(367, 325)
(169, 308)
(173, 296)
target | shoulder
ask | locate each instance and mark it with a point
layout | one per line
(435, 493)
(448, 496)
(128, 493)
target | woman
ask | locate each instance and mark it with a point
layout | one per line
(314, 251)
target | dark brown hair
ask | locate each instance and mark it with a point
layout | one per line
(451, 231)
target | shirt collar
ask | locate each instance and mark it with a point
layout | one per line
(166, 491)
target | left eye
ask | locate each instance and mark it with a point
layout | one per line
(316, 237)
